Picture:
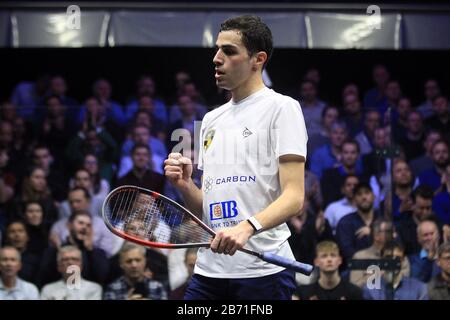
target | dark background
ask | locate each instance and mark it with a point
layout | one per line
(123, 66)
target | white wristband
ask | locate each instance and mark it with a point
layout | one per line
(255, 224)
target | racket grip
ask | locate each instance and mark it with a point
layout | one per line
(287, 263)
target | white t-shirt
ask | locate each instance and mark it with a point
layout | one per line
(240, 146)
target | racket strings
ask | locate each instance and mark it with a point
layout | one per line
(139, 214)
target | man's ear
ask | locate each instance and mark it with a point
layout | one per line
(260, 60)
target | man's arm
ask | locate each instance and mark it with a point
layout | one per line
(287, 205)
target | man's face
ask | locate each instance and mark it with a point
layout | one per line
(440, 154)
(380, 138)
(430, 140)
(78, 201)
(414, 123)
(141, 158)
(404, 108)
(83, 179)
(349, 154)
(141, 135)
(393, 91)
(232, 61)
(348, 187)
(146, 86)
(380, 76)
(422, 207)
(6, 133)
(80, 227)
(67, 259)
(338, 136)
(10, 263)
(364, 200)
(146, 103)
(402, 173)
(37, 180)
(133, 264)
(58, 86)
(328, 261)
(308, 91)
(42, 158)
(440, 106)
(431, 89)
(34, 214)
(4, 158)
(444, 263)
(428, 235)
(103, 90)
(352, 104)
(372, 121)
(17, 235)
(330, 117)
(187, 107)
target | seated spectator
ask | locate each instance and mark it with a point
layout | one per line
(431, 91)
(330, 115)
(423, 264)
(189, 261)
(146, 87)
(412, 141)
(333, 178)
(308, 229)
(79, 199)
(441, 118)
(375, 97)
(425, 162)
(353, 230)
(16, 235)
(141, 174)
(441, 201)
(54, 173)
(399, 117)
(353, 115)
(34, 188)
(335, 211)
(420, 210)
(7, 181)
(440, 156)
(189, 95)
(13, 287)
(82, 179)
(141, 135)
(330, 286)
(366, 136)
(394, 285)
(98, 142)
(312, 106)
(382, 233)
(69, 262)
(134, 284)
(377, 161)
(329, 155)
(438, 287)
(95, 262)
(38, 230)
(27, 94)
(100, 184)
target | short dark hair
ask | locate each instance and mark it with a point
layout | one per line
(139, 146)
(84, 190)
(423, 191)
(362, 186)
(443, 248)
(79, 213)
(391, 246)
(353, 142)
(256, 35)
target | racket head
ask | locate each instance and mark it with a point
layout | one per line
(150, 219)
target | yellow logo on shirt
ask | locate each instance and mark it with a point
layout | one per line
(208, 139)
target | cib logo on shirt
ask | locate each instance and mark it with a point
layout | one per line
(223, 210)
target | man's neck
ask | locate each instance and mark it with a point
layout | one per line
(253, 85)
(349, 169)
(329, 281)
(133, 281)
(9, 282)
(402, 191)
(366, 216)
(414, 136)
(138, 172)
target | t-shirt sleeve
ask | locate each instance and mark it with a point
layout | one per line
(288, 130)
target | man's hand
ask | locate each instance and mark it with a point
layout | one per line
(361, 232)
(229, 240)
(178, 170)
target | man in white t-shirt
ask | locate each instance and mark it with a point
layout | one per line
(253, 151)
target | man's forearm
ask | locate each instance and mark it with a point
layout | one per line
(193, 199)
